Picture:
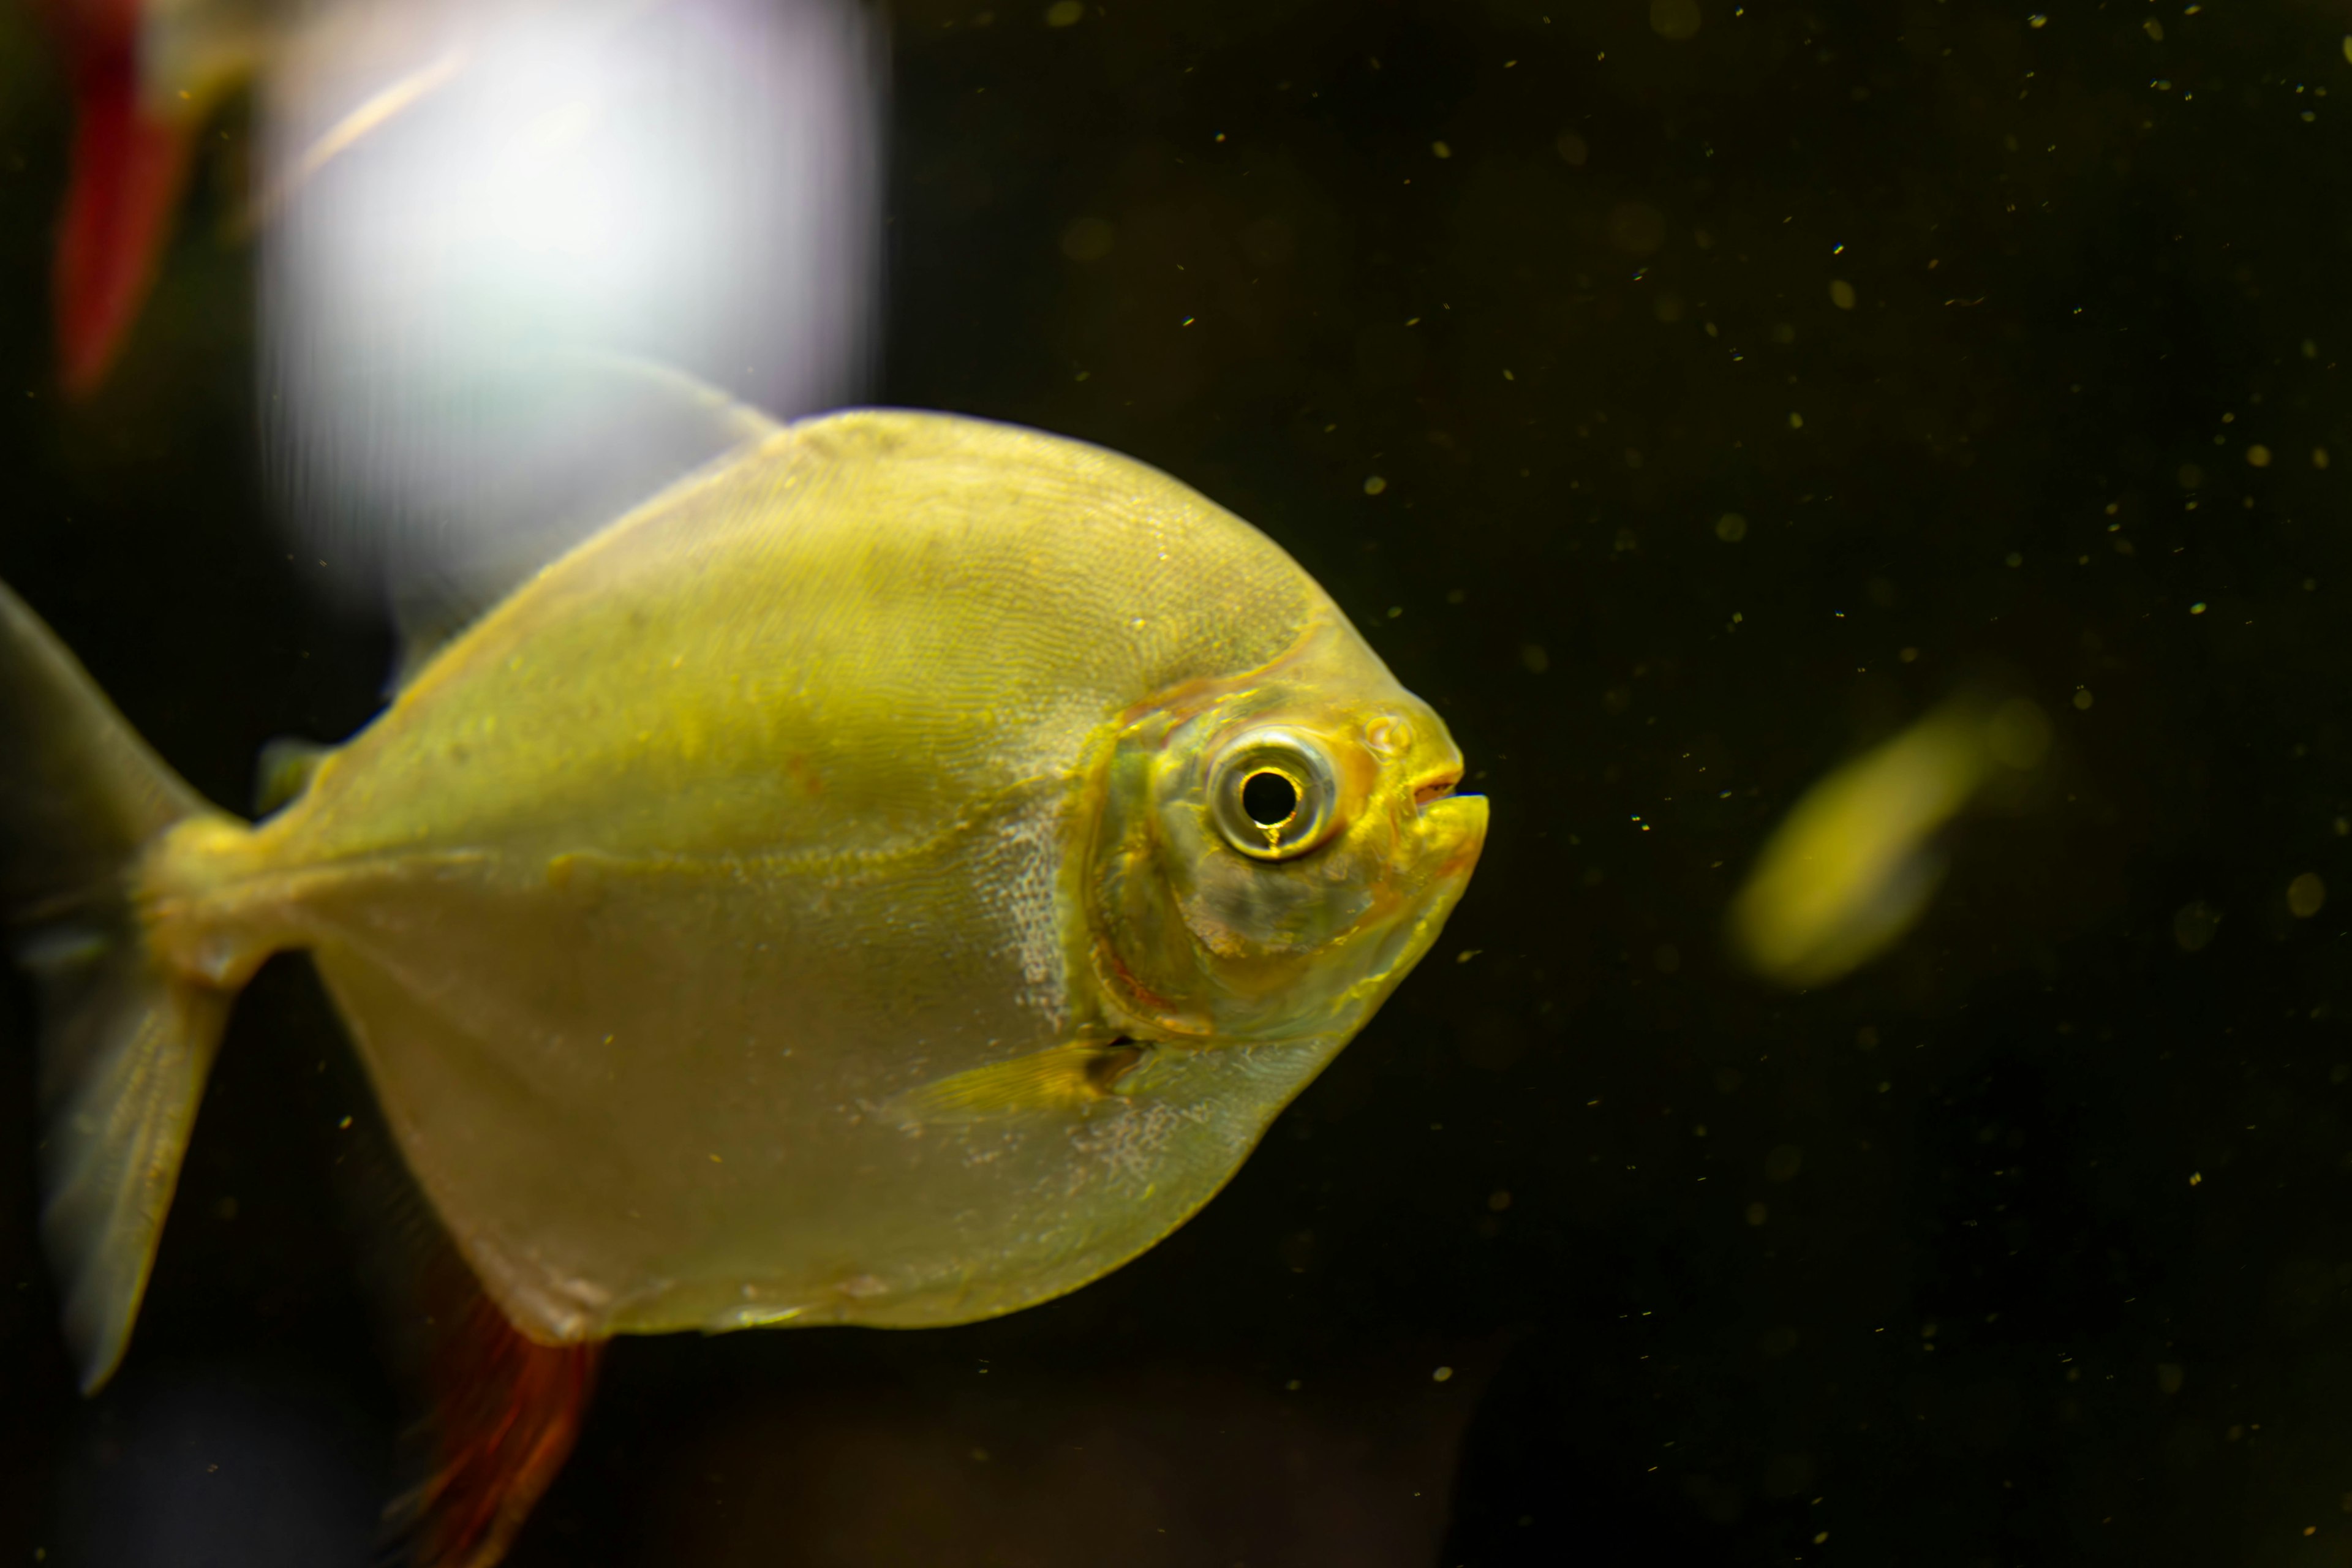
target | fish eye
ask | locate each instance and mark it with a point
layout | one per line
(1270, 798)
(1272, 795)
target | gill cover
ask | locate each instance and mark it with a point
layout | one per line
(1264, 846)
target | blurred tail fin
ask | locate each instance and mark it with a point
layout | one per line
(126, 1038)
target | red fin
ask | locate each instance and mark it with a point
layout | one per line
(505, 1413)
(128, 169)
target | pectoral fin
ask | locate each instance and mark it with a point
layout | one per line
(1065, 1078)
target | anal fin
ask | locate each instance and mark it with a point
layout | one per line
(506, 1412)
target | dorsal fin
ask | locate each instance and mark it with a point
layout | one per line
(620, 431)
(283, 769)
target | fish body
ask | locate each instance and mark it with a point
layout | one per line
(1856, 861)
(892, 878)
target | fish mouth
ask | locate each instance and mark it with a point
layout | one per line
(1452, 832)
(1436, 787)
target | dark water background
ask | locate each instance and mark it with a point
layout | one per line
(1986, 1318)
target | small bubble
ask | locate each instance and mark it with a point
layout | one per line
(1441, 150)
(2082, 702)
(2013, 559)
(1441, 1375)
(2319, 457)
(1757, 1213)
(1571, 149)
(1533, 655)
(1796, 420)
(2259, 456)
(1731, 528)
(2194, 926)
(1065, 13)
(1841, 294)
(1498, 1200)
(1374, 485)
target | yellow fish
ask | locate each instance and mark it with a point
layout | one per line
(893, 876)
(1853, 866)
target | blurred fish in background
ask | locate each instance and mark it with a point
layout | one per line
(475, 220)
(481, 214)
(1856, 861)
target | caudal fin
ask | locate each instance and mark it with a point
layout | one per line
(126, 1040)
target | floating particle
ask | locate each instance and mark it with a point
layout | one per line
(1441, 150)
(1374, 485)
(1636, 228)
(1088, 239)
(2082, 702)
(1065, 13)
(2259, 456)
(1674, 19)
(1841, 294)
(1441, 1375)
(1571, 149)
(2305, 894)
(1731, 528)
(2194, 925)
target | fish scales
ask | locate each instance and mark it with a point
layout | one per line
(831, 893)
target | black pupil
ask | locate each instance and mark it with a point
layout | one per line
(1270, 799)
